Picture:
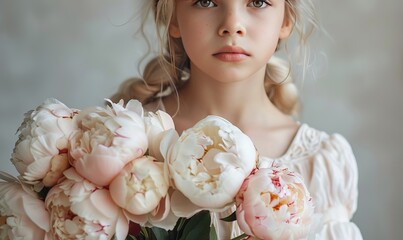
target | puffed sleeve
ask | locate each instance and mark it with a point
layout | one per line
(332, 176)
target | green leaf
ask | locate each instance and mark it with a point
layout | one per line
(175, 233)
(198, 227)
(230, 218)
(129, 237)
(181, 223)
(160, 233)
(240, 237)
(213, 233)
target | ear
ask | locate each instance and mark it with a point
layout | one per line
(174, 30)
(288, 24)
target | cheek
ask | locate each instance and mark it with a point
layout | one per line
(196, 36)
(267, 22)
(195, 29)
(267, 34)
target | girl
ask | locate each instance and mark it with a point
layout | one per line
(218, 60)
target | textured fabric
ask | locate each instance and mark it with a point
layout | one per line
(328, 166)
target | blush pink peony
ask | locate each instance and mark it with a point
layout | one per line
(107, 139)
(22, 215)
(81, 210)
(273, 203)
(40, 154)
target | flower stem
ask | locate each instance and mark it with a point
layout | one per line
(145, 232)
(240, 237)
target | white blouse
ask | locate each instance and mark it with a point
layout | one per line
(328, 166)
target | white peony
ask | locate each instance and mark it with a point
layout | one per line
(40, 154)
(140, 186)
(156, 124)
(161, 216)
(208, 164)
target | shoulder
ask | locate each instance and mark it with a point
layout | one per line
(320, 156)
(310, 141)
(326, 154)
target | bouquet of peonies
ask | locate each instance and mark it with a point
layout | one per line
(122, 173)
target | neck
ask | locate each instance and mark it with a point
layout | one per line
(237, 101)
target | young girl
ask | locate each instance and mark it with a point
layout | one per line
(218, 60)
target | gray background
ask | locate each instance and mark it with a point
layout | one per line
(76, 52)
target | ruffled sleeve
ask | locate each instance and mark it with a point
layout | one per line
(331, 175)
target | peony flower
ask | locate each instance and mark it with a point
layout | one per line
(107, 139)
(22, 214)
(156, 124)
(141, 189)
(273, 203)
(208, 164)
(40, 154)
(140, 186)
(81, 210)
(161, 216)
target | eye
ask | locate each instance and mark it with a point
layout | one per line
(259, 4)
(205, 3)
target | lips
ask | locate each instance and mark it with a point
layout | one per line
(231, 54)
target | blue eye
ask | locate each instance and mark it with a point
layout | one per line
(259, 4)
(205, 3)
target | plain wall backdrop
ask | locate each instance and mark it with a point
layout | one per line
(77, 52)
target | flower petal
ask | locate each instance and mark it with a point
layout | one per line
(35, 210)
(182, 206)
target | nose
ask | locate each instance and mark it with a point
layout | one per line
(232, 23)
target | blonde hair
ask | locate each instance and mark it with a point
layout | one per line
(163, 74)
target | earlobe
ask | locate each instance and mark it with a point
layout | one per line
(174, 31)
(174, 28)
(286, 28)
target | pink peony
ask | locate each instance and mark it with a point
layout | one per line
(40, 154)
(22, 214)
(81, 210)
(273, 203)
(107, 139)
